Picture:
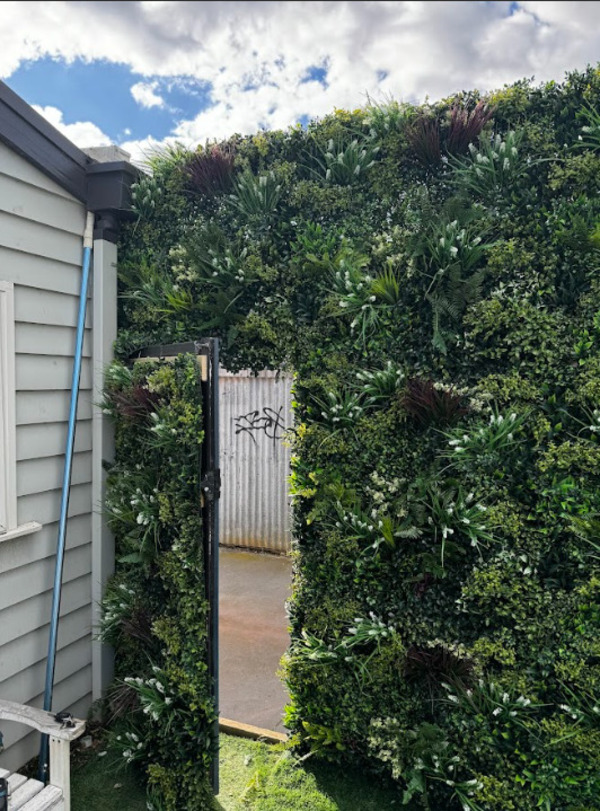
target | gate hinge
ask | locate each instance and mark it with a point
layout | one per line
(211, 485)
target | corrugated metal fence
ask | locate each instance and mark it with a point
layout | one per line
(255, 412)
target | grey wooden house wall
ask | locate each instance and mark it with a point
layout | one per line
(41, 228)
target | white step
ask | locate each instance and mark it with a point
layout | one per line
(30, 795)
(49, 798)
(15, 781)
(22, 795)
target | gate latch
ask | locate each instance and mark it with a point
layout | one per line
(211, 485)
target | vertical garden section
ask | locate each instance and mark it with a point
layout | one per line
(156, 608)
(431, 274)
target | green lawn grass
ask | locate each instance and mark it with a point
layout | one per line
(101, 782)
(254, 777)
(265, 778)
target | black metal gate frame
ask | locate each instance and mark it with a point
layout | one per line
(210, 487)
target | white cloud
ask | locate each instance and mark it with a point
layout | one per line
(82, 133)
(255, 55)
(146, 96)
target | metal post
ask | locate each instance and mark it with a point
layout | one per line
(210, 493)
(214, 550)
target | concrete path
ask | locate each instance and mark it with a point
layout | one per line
(252, 636)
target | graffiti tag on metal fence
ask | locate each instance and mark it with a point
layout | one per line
(267, 421)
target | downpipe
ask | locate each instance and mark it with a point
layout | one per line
(88, 238)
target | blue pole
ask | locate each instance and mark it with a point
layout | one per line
(66, 488)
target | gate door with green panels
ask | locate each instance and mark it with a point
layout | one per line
(206, 351)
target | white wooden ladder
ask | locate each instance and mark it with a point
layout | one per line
(27, 794)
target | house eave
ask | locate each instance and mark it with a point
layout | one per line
(104, 188)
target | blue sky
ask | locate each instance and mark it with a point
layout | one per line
(140, 74)
(100, 91)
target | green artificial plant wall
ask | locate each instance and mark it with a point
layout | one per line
(155, 610)
(431, 275)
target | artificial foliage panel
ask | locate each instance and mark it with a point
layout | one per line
(155, 610)
(431, 275)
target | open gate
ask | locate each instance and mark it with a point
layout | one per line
(207, 353)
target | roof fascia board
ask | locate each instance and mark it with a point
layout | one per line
(30, 135)
(103, 187)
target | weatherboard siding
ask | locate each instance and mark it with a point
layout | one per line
(41, 228)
